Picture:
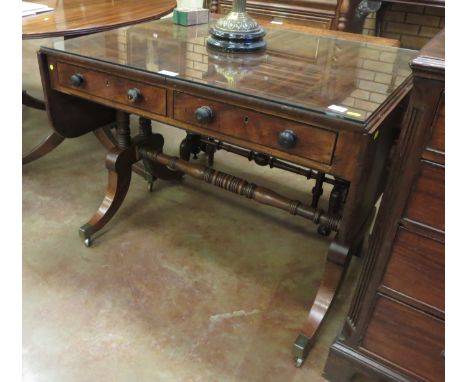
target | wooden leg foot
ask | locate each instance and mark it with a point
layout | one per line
(335, 269)
(119, 163)
(301, 348)
(46, 146)
(151, 185)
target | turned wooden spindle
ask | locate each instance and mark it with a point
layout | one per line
(317, 191)
(145, 127)
(123, 130)
(241, 187)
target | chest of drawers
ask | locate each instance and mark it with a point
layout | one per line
(395, 328)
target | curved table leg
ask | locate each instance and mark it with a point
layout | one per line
(103, 134)
(106, 138)
(335, 268)
(46, 146)
(119, 163)
(150, 171)
(33, 102)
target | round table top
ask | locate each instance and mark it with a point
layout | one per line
(78, 17)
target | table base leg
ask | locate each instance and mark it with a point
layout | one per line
(152, 170)
(43, 148)
(33, 102)
(119, 163)
(335, 269)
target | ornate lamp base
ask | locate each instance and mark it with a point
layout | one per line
(237, 32)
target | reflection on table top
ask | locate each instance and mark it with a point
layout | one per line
(343, 78)
(76, 17)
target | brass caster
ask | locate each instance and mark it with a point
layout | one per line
(299, 362)
(88, 242)
(300, 349)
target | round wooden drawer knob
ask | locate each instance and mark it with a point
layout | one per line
(134, 95)
(204, 114)
(76, 79)
(287, 139)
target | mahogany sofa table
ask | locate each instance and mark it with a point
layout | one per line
(71, 18)
(320, 106)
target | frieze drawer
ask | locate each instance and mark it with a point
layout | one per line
(107, 88)
(408, 338)
(281, 134)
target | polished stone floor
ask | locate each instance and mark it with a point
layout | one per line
(185, 284)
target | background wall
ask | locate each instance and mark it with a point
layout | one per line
(413, 25)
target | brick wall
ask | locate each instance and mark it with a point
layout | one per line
(413, 25)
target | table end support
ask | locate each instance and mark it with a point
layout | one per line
(337, 263)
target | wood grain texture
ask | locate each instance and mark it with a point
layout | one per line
(417, 269)
(356, 151)
(113, 88)
(426, 204)
(394, 329)
(46, 146)
(298, 68)
(313, 143)
(78, 17)
(435, 150)
(438, 135)
(66, 112)
(405, 337)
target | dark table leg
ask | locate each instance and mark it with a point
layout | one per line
(119, 163)
(50, 142)
(33, 102)
(43, 148)
(335, 269)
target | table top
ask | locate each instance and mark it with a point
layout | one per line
(338, 77)
(77, 17)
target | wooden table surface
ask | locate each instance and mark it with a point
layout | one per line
(76, 17)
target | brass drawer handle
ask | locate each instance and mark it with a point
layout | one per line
(287, 139)
(134, 95)
(77, 79)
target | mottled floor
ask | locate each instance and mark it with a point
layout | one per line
(185, 284)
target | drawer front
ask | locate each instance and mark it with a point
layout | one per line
(437, 141)
(409, 339)
(311, 142)
(112, 88)
(426, 203)
(417, 268)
